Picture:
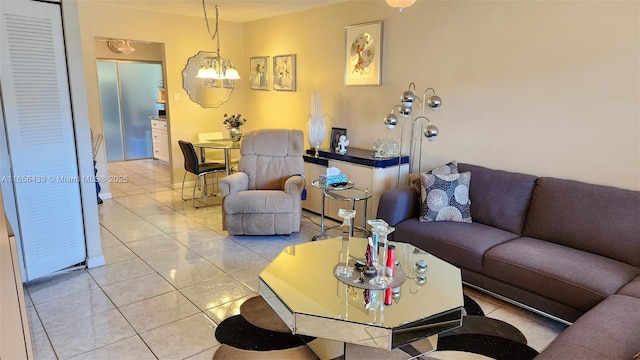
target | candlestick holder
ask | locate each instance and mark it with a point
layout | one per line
(343, 269)
(381, 229)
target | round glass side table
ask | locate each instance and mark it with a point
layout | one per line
(341, 193)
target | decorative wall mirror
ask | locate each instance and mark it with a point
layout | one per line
(208, 93)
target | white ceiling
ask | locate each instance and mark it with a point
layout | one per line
(229, 10)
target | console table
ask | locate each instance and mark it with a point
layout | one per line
(375, 175)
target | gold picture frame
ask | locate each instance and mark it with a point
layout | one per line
(363, 54)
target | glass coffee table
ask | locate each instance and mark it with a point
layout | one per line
(300, 286)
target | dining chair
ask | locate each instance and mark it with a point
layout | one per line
(194, 166)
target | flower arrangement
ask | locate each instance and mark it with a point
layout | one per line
(233, 121)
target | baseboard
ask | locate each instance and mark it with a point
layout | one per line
(95, 261)
(105, 195)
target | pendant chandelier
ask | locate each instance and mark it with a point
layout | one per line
(400, 4)
(216, 67)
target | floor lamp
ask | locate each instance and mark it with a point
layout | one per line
(406, 109)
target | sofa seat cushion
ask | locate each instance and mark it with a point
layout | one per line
(632, 288)
(573, 277)
(258, 202)
(461, 244)
(608, 331)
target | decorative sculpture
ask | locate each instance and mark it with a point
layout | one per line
(342, 144)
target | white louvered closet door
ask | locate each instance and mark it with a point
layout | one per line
(40, 136)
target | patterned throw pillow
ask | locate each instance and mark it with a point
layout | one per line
(446, 197)
(416, 179)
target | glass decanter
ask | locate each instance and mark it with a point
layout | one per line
(343, 269)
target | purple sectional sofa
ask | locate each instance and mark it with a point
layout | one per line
(565, 248)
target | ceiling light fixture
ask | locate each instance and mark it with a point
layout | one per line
(120, 46)
(216, 67)
(400, 4)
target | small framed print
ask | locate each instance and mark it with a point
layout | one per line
(363, 51)
(259, 74)
(212, 83)
(284, 73)
(335, 137)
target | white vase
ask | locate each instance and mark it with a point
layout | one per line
(317, 129)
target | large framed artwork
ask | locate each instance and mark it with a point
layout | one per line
(259, 75)
(363, 51)
(284, 72)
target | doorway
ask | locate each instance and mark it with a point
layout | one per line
(128, 97)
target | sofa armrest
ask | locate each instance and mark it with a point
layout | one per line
(293, 185)
(398, 204)
(233, 183)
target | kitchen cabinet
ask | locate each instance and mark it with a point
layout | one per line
(160, 139)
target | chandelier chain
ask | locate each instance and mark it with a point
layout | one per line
(215, 35)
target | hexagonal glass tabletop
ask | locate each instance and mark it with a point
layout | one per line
(300, 286)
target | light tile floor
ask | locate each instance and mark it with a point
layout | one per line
(171, 275)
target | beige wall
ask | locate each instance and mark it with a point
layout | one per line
(543, 87)
(182, 37)
(549, 88)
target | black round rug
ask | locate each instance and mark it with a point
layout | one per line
(488, 345)
(237, 332)
(478, 334)
(471, 307)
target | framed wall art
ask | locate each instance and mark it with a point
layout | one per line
(215, 83)
(284, 72)
(228, 84)
(363, 51)
(335, 136)
(259, 73)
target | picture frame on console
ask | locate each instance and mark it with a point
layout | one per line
(335, 137)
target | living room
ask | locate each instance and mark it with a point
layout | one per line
(523, 86)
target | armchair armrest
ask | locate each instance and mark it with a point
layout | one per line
(233, 183)
(293, 185)
(398, 204)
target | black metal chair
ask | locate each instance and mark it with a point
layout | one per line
(194, 166)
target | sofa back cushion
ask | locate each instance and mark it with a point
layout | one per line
(499, 198)
(598, 219)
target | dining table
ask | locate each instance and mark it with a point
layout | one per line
(219, 144)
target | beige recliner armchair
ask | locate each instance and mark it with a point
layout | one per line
(263, 197)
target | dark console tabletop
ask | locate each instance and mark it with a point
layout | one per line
(355, 156)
